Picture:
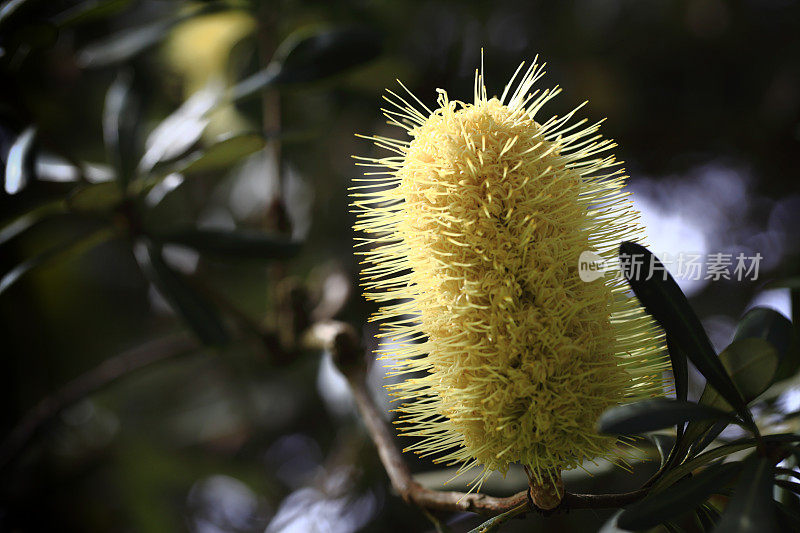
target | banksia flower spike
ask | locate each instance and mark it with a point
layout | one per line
(471, 233)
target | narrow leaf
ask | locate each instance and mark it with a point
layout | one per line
(682, 497)
(89, 10)
(238, 243)
(98, 197)
(651, 415)
(200, 315)
(71, 248)
(305, 58)
(120, 126)
(751, 508)
(668, 305)
(125, 45)
(751, 363)
(223, 154)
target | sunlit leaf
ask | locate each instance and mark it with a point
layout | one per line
(751, 508)
(19, 163)
(665, 301)
(181, 130)
(9, 8)
(199, 314)
(222, 154)
(120, 126)
(233, 243)
(682, 497)
(651, 415)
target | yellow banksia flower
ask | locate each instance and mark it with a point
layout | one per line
(471, 233)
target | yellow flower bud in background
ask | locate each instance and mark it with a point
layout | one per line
(472, 232)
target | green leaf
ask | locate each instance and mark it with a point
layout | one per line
(684, 496)
(494, 523)
(708, 516)
(788, 517)
(751, 508)
(665, 301)
(222, 154)
(71, 248)
(680, 369)
(239, 243)
(89, 10)
(199, 314)
(99, 197)
(305, 58)
(610, 525)
(19, 162)
(121, 125)
(791, 486)
(664, 445)
(751, 363)
(772, 326)
(651, 415)
(125, 45)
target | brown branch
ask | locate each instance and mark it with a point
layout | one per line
(345, 347)
(106, 373)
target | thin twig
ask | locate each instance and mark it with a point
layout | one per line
(96, 379)
(345, 347)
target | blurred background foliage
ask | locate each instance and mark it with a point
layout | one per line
(176, 166)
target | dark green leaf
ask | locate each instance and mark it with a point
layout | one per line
(127, 44)
(72, 247)
(791, 486)
(665, 301)
(304, 58)
(222, 154)
(89, 10)
(494, 523)
(708, 516)
(199, 314)
(751, 363)
(130, 43)
(751, 508)
(120, 126)
(788, 518)
(663, 444)
(680, 369)
(651, 415)
(682, 497)
(772, 326)
(610, 525)
(99, 197)
(237, 243)
(19, 163)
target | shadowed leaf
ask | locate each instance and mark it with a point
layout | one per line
(665, 301)
(90, 10)
(239, 243)
(772, 326)
(651, 415)
(304, 58)
(199, 314)
(120, 126)
(751, 508)
(682, 497)
(751, 363)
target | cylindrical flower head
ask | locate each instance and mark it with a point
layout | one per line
(472, 233)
